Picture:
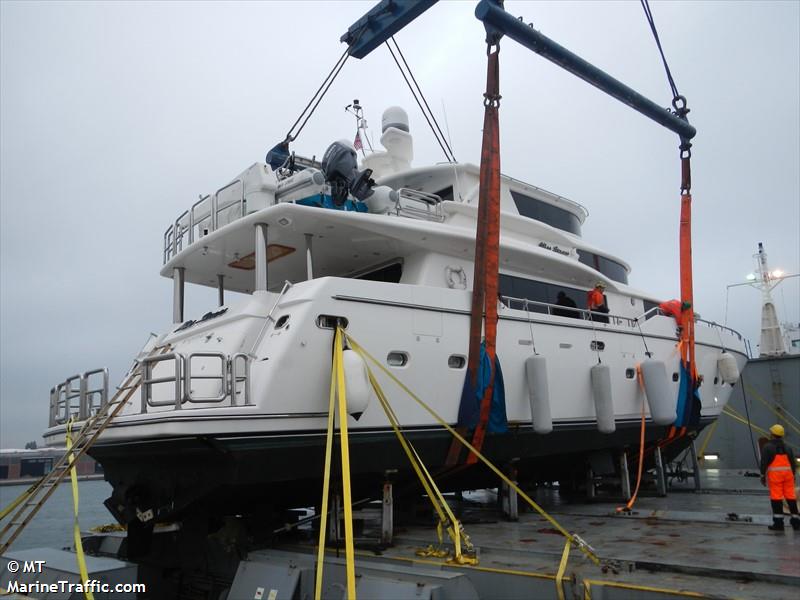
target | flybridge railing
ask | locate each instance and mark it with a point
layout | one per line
(208, 214)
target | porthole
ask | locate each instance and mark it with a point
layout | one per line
(675, 377)
(331, 321)
(397, 359)
(282, 322)
(456, 361)
(597, 345)
(716, 380)
(630, 373)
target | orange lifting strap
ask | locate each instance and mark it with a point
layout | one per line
(687, 292)
(487, 249)
(490, 197)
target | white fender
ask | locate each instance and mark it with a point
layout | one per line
(603, 401)
(727, 367)
(539, 393)
(661, 398)
(356, 381)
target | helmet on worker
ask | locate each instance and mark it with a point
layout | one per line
(600, 285)
(777, 430)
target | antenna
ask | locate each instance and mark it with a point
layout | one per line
(357, 111)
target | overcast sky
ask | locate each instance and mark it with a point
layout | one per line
(115, 116)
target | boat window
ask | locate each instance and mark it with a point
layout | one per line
(331, 322)
(567, 298)
(456, 361)
(610, 268)
(446, 193)
(397, 359)
(648, 306)
(389, 273)
(546, 213)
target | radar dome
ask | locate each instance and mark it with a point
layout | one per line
(394, 116)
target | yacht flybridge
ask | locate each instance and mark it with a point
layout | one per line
(236, 399)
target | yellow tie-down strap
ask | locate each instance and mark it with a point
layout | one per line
(573, 539)
(76, 527)
(337, 389)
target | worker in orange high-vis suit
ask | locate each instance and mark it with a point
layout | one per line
(777, 471)
(596, 302)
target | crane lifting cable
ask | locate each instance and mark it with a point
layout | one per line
(419, 98)
(279, 154)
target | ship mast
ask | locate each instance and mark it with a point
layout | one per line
(766, 281)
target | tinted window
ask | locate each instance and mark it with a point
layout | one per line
(546, 213)
(522, 289)
(446, 193)
(648, 306)
(389, 274)
(610, 268)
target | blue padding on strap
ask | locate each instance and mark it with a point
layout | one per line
(470, 408)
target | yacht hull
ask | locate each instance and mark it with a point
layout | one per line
(236, 475)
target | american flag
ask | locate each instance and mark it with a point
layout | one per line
(357, 142)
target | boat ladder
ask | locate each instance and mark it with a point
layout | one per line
(24, 508)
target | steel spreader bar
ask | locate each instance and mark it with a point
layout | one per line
(496, 17)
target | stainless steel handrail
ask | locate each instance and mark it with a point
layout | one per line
(88, 407)
(180, 231)
(432, 204)
(584, 313)
(244, 379)
(194, 221)
(240, 201)
(174, 235)
(62, 395)
(223, 377)
(168, 243)
(713, 325)
(148, 381)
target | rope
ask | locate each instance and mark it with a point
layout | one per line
(738, 417)
(442, 144)
(76, 530)
(421, 95)
(710, 433)
(573, 539)
(747, 412)
(632, 500)
(781, 414)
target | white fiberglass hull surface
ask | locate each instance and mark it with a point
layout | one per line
(427, 328)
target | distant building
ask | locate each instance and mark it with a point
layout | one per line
(19, 465)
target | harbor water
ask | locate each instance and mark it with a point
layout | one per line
(52, 526)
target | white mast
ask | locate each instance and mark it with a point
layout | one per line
(771, 337)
